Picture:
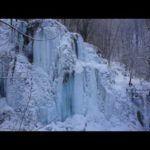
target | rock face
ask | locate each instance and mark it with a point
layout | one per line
(57, 76)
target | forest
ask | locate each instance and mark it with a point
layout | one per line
(123, 40)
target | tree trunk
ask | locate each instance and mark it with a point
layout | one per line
(130, 80)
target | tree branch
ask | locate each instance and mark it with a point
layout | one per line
(11, 26)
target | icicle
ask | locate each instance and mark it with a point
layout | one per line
(3, 75)
(45, 52)
(22, 27)
(67, 95)
(76, 47)
(80, 47)
(146, 119)
(80, 84)
(2, 91)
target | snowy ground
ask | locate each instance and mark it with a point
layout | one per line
(81, 123)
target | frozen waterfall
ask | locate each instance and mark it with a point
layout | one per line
(75, 92)
(58, 79)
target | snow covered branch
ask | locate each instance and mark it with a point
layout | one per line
(20, 32)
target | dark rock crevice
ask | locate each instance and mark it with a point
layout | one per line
(140, 118)
(31, 29)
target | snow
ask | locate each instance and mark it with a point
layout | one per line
(82, 123)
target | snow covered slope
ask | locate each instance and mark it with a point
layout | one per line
(57, 82)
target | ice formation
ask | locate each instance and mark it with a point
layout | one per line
(66, 86)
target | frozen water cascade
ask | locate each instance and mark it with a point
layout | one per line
(66, 87)
(76, 47)
(80, 48)
(45, 52)
(65, 101)
(75, 90)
